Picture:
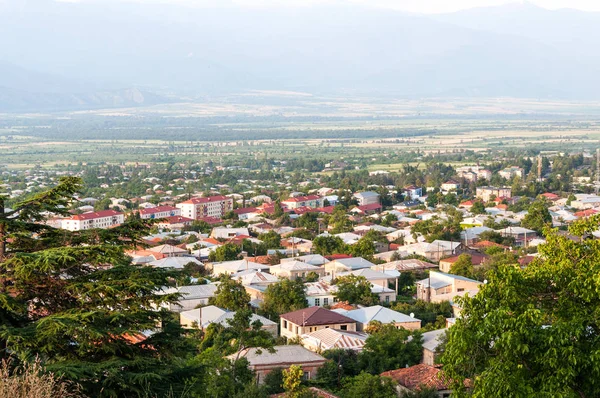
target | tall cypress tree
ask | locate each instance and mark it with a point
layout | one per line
(75, 300)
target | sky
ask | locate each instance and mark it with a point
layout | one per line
(418, 6)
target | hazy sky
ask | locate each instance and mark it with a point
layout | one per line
(424, 6)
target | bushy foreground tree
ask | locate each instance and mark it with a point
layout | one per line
(534, 331)
(75, 300)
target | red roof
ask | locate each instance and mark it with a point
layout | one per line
(467, 203)
(158, 209)
(245, 210)
(476, 259)
(372, 206)
(98, 214)
(211, 220)
(420, 375)
(585, 213)
(305, 209)
(315, 316)
(326, 209)
(302, 198)
(551, 196)
(332, 257)
(482, 244)
(207, 199)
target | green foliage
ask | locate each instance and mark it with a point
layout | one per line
(477, 208)
(226, 252)
(283, 296)
(421, 392)
(538, 217)
(355, 290)
(341, 364)
(292, 381)
(339, 221)
(271, 240)
(273, 381)
(463, 266)
(364, 248)
(531, 331)
(435, 229)
(367, 385)
(426, 312)
(325, 245)
(390, 348)
(230, 295)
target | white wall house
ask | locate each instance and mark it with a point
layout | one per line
(212, 206)
(100, 219)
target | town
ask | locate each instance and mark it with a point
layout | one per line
(342, 285)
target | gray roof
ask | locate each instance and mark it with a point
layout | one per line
(367, 194)
(378, 313)
(283, 355)
(197, 291)
(433, 338)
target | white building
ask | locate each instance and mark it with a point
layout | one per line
(212, 206)
(100, 219)
(159, 212)
(366, 198)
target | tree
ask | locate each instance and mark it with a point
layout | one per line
(75, 299)
(271, 240)
(230, 295)
(273, 381)
(421, 392)
(341, 364)
(532, 331)
(463, 266)
(388, 347)
(284, 296)
(477, 208)
(328, 244)
(292, 383)
(367, 385)
(356, 290)
(538, 217)
(364, 248)
(426, 312)
(227, 252)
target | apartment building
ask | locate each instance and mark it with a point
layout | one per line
(303, 201)
(100, 219)
(211, 206)
(486, 193)
(159, 212)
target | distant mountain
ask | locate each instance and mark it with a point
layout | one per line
(517, 50)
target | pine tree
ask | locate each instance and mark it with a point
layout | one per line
(75, 300)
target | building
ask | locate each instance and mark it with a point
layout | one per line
(450, 185)
(327, 339)
(192, 296)
(312, 201)
(320, 294)
(100, 219)
(413, 192)
(262, 362)
(433, 251)
(487, 193)
(346, 265)
(295, 270)
(364, 316)
(421, 375)
(477, 259)
(228, 233)
(431, 341)
(169, 251)
(520, 234)
(308, 320)
(440, 287)
(367, 198)
(201, 318)
(159, 212)
(211, 206)
(235, 266)
(511, 172)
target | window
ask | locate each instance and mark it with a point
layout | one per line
(306, 376)
(344, 327)
(285, 324)
(387, 299)
(318, 302)
(335, 299)
(460, 290)
(326, 301)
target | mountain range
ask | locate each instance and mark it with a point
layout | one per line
(94, 54)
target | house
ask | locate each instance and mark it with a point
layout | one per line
(297, 245)
(174, 262)
(169, 251)
(346, 265)
(211, 206)
(520, 234)
(174, 222)
(262, 362)
(471, 235)
(308, 320)
(414, 377)
(367, 198)
(303, 201)
(364, 316)
(201, 318)
(295, 270)
(320, 293)
(405, 265)
(431, 341)
(511, 172)
(327, 339)
(235, 266)
(373, 276)
(413, 192)
(228, 233)
(313, 259)
(373, 208)
(100, 219)
(158, 212)
(433, 251)
(440, 286)
(487, 193)
(477, 259)
(192, 296)
(450, 185)
(247, 213)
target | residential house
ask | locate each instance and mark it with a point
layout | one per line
(327, 339)
(367, 198)
(308, 320)
(440, 286)
(169, 251)
(262, 362)
(477, 259)
(404, 266)
(346, 265)
(303, 201)
(100, 219)
(520, 234)
(228, 233)
(471, 235)
(296, 270)
(201, 318)
(364, 316)
(174, 262)
(192, 296)
(433, 251)
(364, 210)
(320, 293)
(511, 172)
(235, 266)
(486, 193)
(255, 282)
(431, 342)
(372, 275)
(211, 206)
(415, 377)
(413, 192)
(174, 223)
(313, 259)
(450, 185)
